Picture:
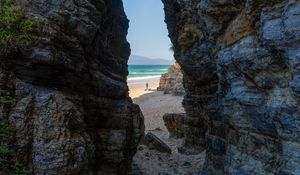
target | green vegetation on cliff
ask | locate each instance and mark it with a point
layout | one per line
(7, 100)
(8, 163)
(15, 26)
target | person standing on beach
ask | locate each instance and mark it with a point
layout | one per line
(147, 86)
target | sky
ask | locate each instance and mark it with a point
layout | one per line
(147, 34)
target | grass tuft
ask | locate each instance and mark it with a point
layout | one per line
(15, 26)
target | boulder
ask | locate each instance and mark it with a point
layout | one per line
(175, 124)
(153, 142)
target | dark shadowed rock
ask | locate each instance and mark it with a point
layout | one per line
(189, 149)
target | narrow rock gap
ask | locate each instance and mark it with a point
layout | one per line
(161, 150)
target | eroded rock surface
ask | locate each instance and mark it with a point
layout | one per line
(68, 99)
(241, 73)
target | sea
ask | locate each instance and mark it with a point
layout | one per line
(140, 72)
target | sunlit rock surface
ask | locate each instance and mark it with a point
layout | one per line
(171, 82)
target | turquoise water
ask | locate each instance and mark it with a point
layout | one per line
(146, 71)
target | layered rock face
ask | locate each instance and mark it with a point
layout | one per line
(65, 95)
(241, 64)
(171, 82)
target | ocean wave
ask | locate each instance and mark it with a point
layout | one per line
(142, 78)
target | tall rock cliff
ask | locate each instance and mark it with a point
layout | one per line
(64, 95)
(241, 63)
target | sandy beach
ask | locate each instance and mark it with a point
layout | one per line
(154, 104)
(137, 86)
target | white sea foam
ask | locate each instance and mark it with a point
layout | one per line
(142, 78)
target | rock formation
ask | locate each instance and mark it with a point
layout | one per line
(65, 95)
(241, 73)
(171, 82)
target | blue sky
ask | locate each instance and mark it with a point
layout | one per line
(148, 35)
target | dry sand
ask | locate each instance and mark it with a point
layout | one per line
(154, 104)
